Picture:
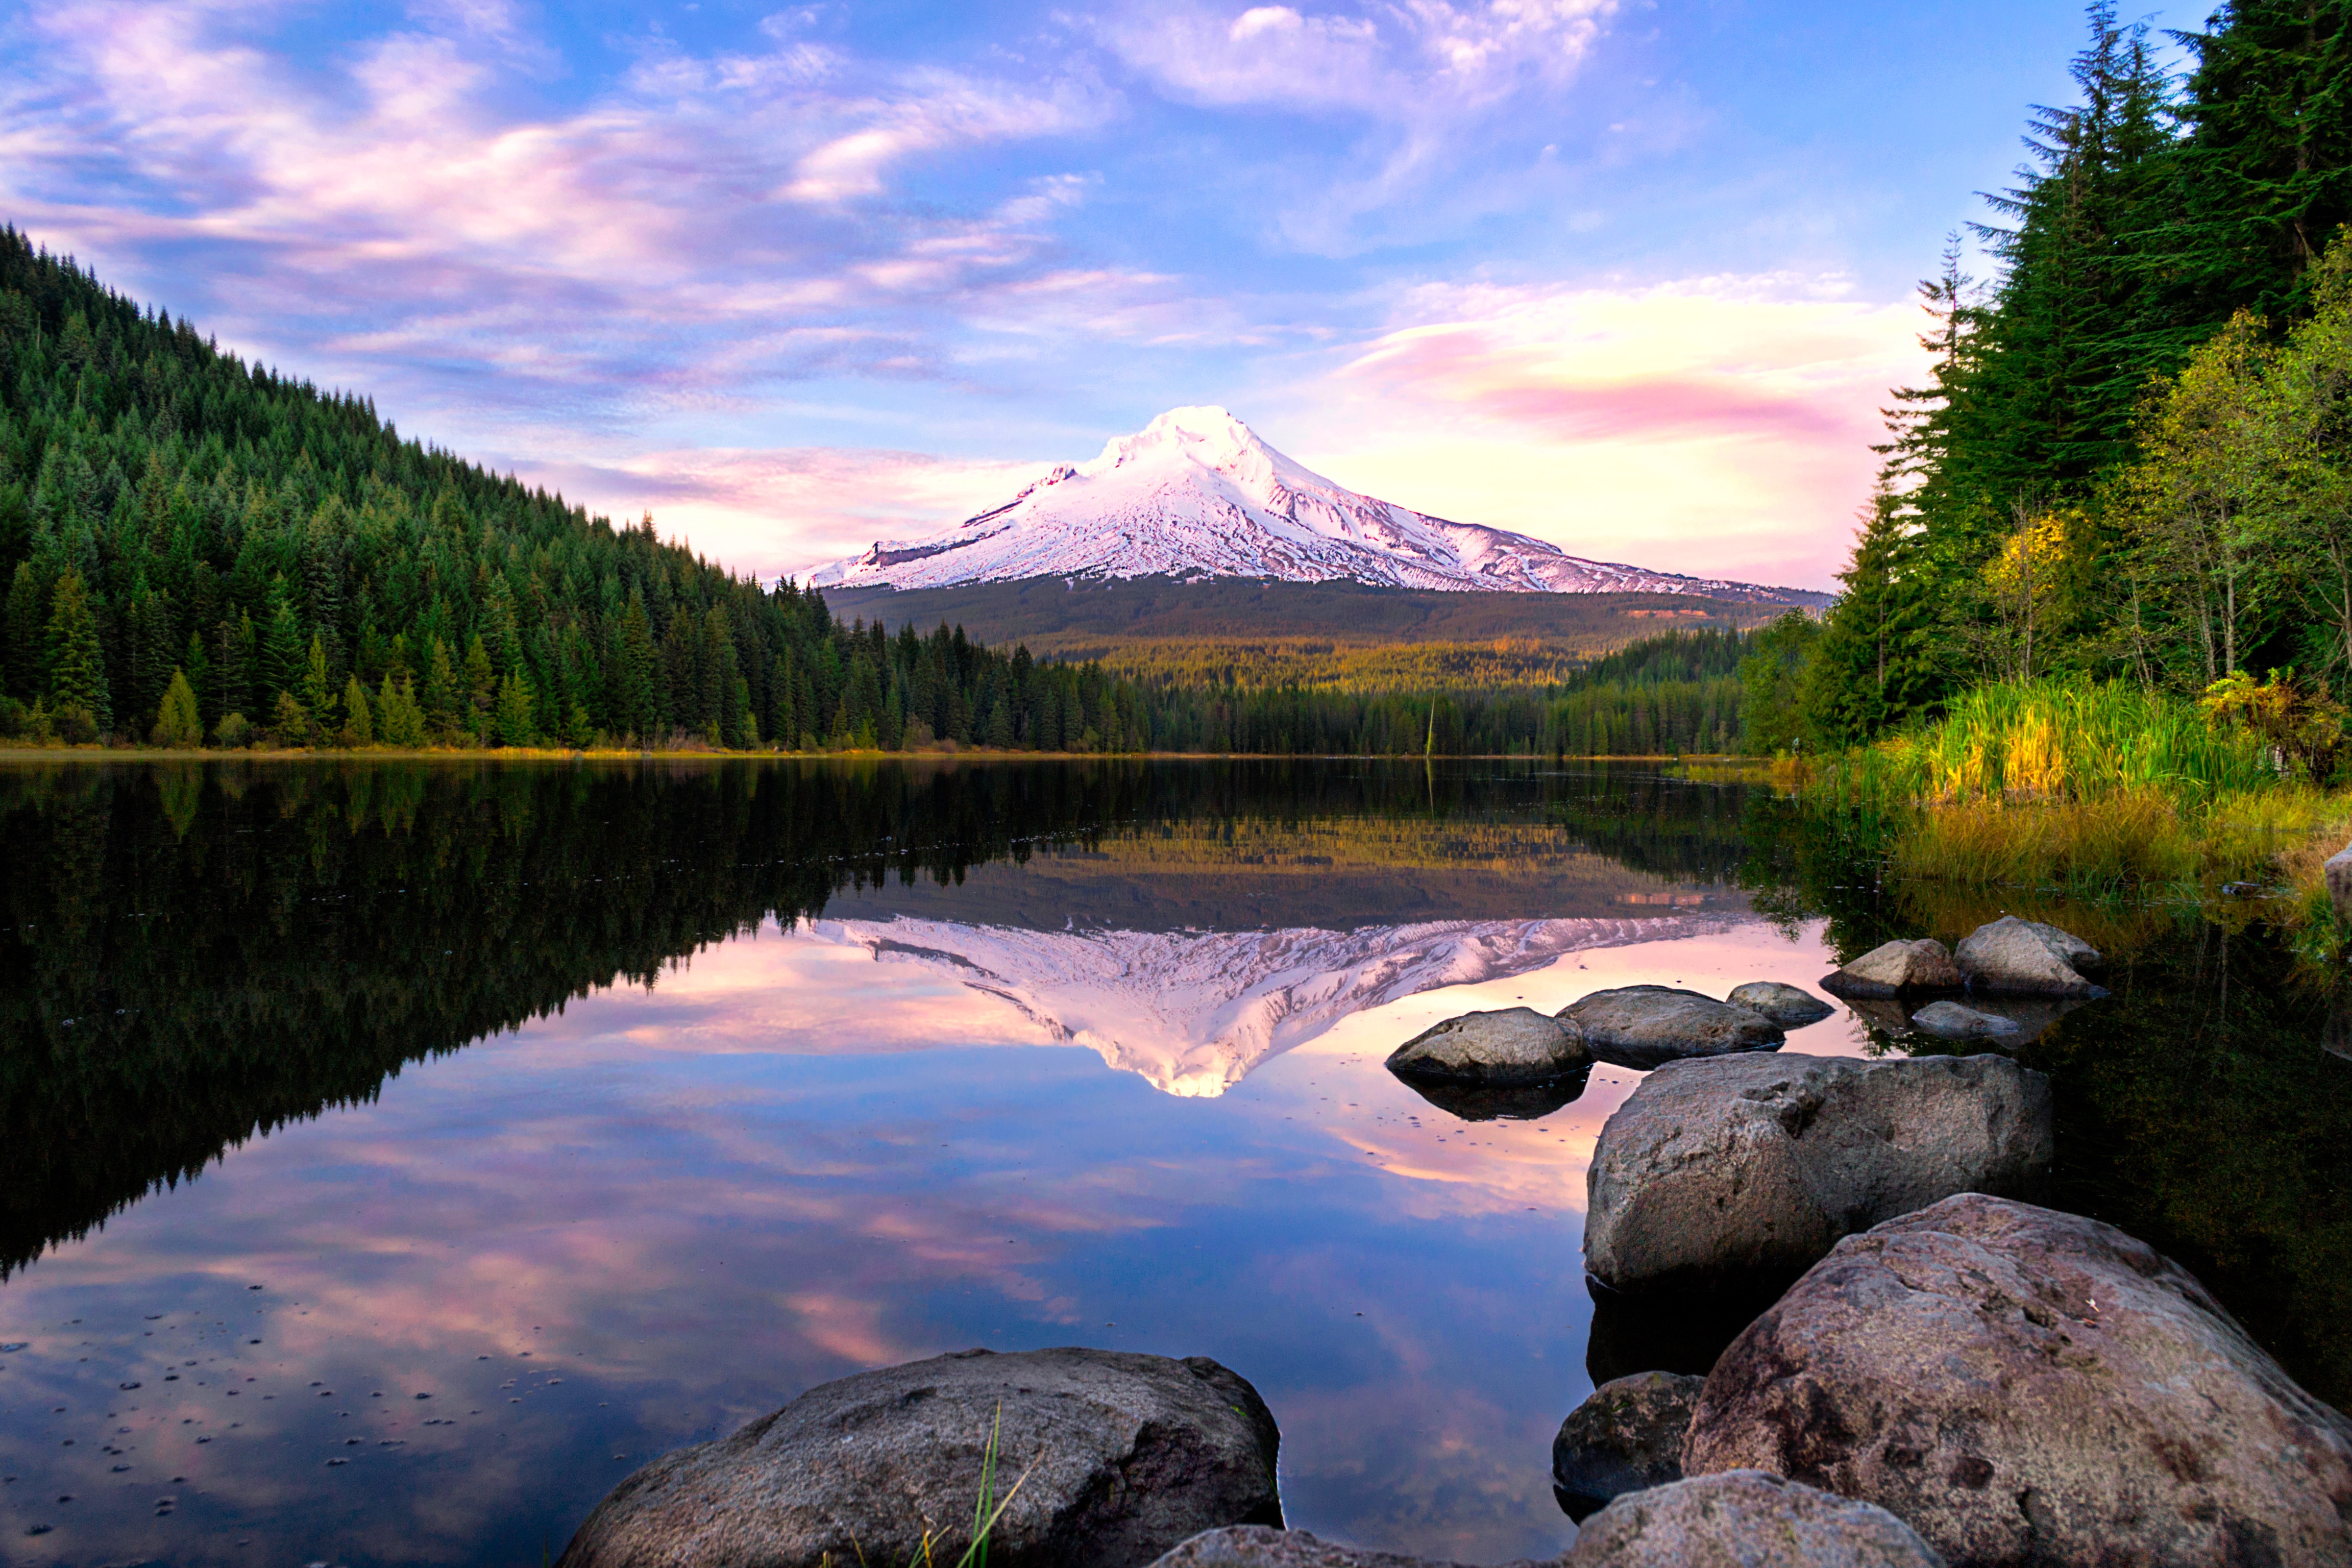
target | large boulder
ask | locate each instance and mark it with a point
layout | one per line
(1124, 1456)
(1626, 1435)
(1504, 1048)
(2028, 1387)
(1892, 968)
(1745, 1170)
(1745, 1519)
(2017, 956)
(1641, 1025)
(1790, 1007)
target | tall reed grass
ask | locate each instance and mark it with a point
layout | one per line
(2082, 786)
(2057, 740)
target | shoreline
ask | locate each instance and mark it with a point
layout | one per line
(96, 753)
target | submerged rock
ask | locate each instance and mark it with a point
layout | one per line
(1743, 1170)
(1643, 1025)
(1504, 1048)
(1894, 967)
(1523, 1102)
(1790, 1007)
(2025, 1387)
(1745, 1519)
(1626, 1435)
(2014, 955)
(1132, 1453)
(1953, 1021)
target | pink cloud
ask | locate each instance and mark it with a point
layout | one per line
(1732, 414)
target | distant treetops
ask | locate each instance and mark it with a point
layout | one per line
(2131, 459)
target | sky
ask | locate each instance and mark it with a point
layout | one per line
(1632, 278)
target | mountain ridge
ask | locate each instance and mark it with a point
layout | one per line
(1196, 494)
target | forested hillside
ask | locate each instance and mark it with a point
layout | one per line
(195, 547)
(201, 552)
(2130, 460)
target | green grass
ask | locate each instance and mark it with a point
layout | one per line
(2087, 788)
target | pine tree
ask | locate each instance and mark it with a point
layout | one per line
(2264, 175)
(359, 725)
(22, 669)
(318, 690)
(518, 708)
(399, 721)
(77, 664)
(1874, 665)
(236, 654)
(441, 703)
(198, 664)
(178, 722)
(282, 647)
(638, 670)
(481, 694)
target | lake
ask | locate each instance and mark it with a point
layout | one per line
(393, 1157)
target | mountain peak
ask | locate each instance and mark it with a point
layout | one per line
(1198, 493)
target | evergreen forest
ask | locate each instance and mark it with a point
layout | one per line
(2131, 459)
(200, 551)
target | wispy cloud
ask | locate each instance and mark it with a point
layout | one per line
(1417, 82)
(705, 223)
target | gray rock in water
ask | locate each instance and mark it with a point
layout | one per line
(1626, 1435)
(1790, 1007)
(1954, 1021)
(1892, 968)
(1745, 1170)
(2023, 1386)
(1643, 1025)
(1253, 1546)
(1508, 1047)
(1132, 1453)
(1745, 1519)
(2012, 955)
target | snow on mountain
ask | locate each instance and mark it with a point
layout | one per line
(1192, 1012)
(1196, 494)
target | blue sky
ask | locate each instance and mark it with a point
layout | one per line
(1629, 276)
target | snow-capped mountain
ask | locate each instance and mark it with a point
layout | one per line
(1196, 494)
(1194, 1011)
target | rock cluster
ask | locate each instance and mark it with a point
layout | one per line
(1124, 1456)
(1741, 1172)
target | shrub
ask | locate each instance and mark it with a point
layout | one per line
(233, 732)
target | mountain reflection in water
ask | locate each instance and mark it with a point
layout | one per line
(608, 1107)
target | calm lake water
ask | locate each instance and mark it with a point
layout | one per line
(392, 1157)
